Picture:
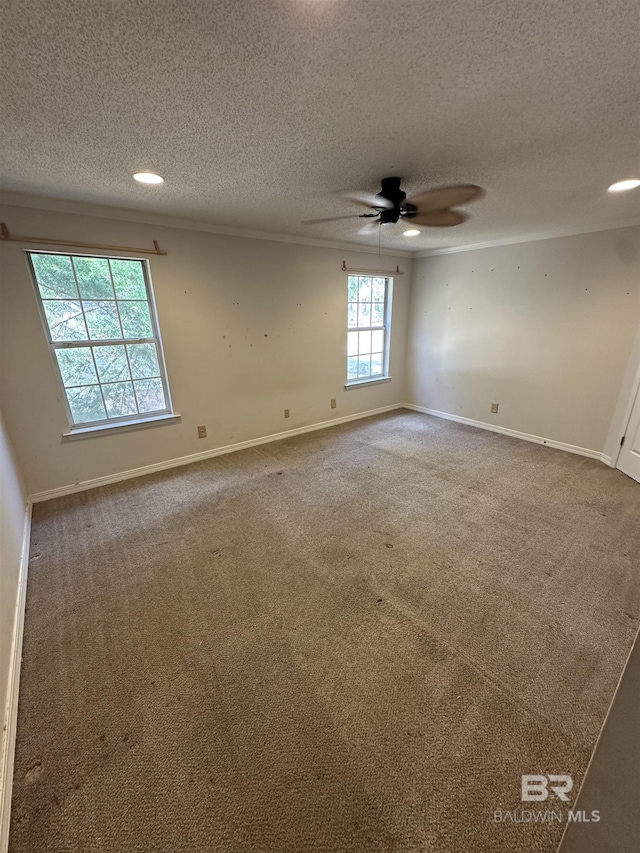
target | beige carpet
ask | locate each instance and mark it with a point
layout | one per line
(352, 640)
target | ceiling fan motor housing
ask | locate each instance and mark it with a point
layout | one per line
(391, 215)
(391, 192)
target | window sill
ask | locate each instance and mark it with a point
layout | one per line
(360, 382)
(120, 426)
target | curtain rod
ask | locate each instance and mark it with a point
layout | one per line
(396, 271)
(5, 235)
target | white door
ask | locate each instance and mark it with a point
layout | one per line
(629, 458)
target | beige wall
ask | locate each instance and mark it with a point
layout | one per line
(12, 529)
(250, 327)
(543, 328)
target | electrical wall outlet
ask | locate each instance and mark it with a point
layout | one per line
(333, 402)
(494, 408)
(287, 413)
(202, 431)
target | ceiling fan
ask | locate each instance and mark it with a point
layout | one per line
(432, 208)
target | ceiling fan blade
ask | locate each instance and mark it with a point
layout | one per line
(437, 218)
(368, 200)
(444, 197)
(370, 227)
(329, 219)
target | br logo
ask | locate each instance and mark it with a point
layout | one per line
(539, 788)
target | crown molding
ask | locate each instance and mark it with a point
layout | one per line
(122, 214)
(529, 238)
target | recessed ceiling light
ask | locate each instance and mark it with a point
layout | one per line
(412, 232)
(148, 178)
(621, 186)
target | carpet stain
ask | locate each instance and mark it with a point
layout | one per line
(33, 773)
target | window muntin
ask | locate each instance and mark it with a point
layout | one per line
(100, 322)
(367, 328)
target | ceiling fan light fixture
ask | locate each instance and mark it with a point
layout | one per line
(622, 186)
(148, 178)
(411, 232)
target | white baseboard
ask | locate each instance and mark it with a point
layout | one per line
(8, 734)
(537, 439)
(206, 454)
(278, 436)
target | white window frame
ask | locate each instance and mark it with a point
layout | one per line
(105, 425)
(385, 328)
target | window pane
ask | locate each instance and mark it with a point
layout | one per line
(136, 321)
(376, 363)
(65, 320)
(352, 367)
(144, 360)
(102, 320)
(76, 366)
(377, 341)
(86, 404)
(54, 275)
(364, 366)
(364, 290)
(150, 395)
(352, 343)
(377, 315)
(377, 290)
(128, 279)
(364, 342)
(120, 399)
(364, 314)
(353, 288)
(353, 315)
(112, 363)
(93, 277)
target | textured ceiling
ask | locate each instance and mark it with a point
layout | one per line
(258, 112)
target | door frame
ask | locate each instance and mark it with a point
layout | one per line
(628, 392)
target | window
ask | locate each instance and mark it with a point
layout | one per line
(100, 322)
(368, 324)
